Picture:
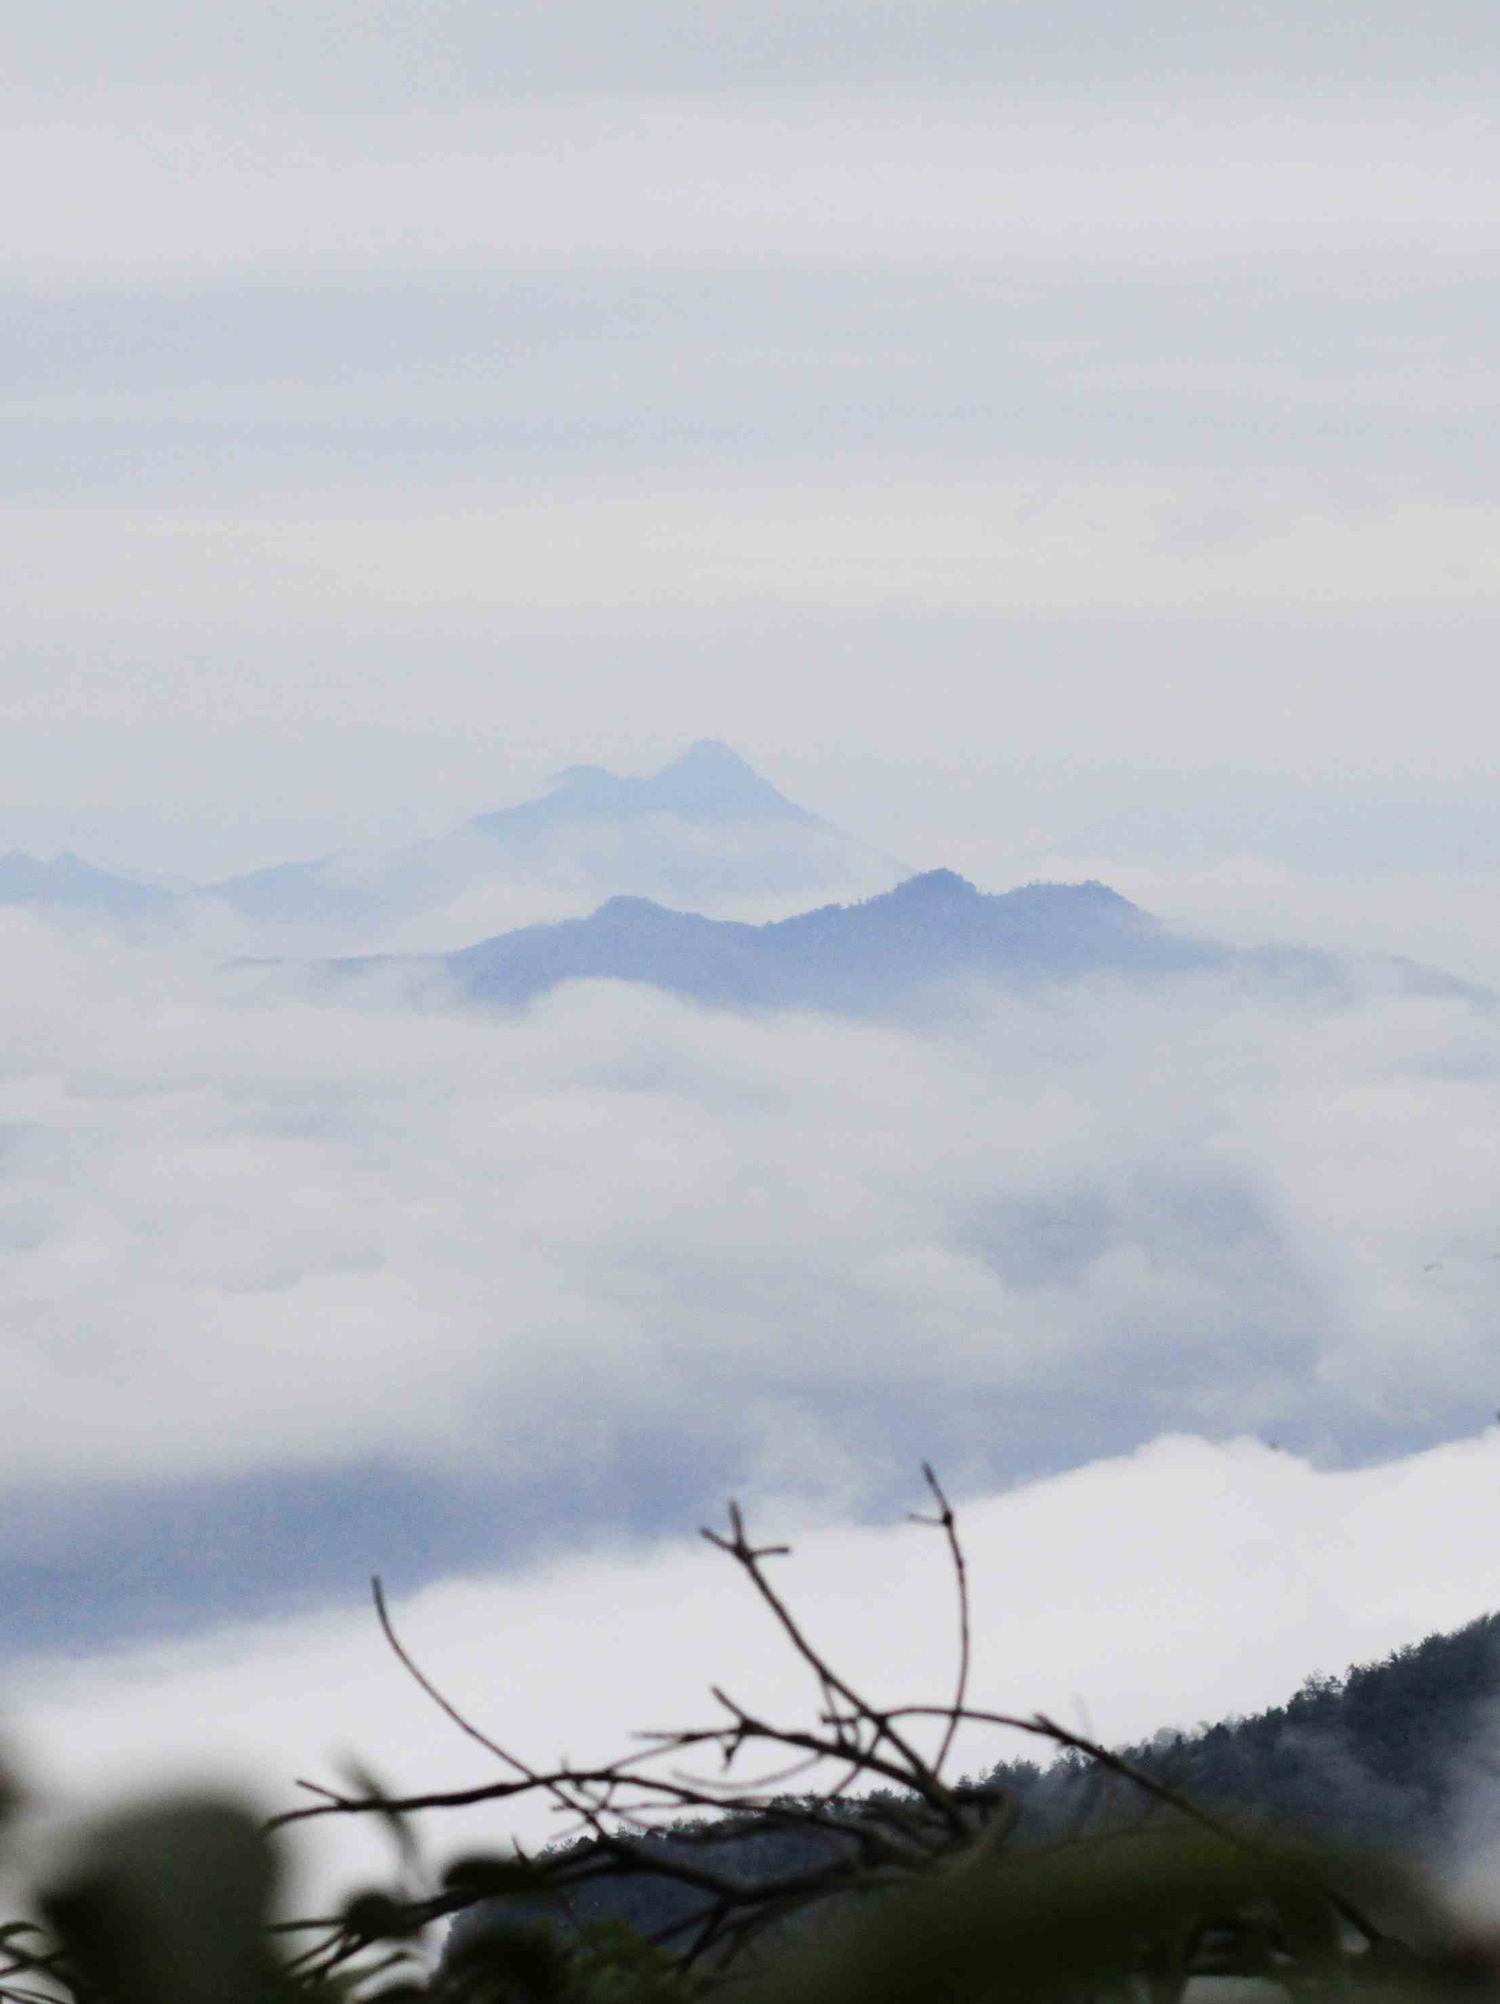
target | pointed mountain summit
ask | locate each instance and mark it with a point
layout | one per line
(710, 782)
(706, 830)
(708, 786)
(67, 884)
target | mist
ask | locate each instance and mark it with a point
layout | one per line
(480, 1285)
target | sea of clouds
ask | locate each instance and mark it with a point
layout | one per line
(461, 1288)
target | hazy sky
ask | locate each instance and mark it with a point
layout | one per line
(934, 401)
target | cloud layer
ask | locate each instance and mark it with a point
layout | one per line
(603, 1261)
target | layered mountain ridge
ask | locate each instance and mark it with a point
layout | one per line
(706, 829)
(932, 928)
(710, 783)
(933, 931)
(66, 884)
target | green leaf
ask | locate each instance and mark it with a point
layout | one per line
(166, 1904)
(1038, 1927)
(525, 1966)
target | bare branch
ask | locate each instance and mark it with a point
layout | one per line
(917, 1773)
(948, 1525)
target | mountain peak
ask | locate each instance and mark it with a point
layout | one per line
(711, 755)
(626, 907)
(581, 775)
(67, 880)
(1089, 895)
(936, 887)
(710, 782)
(933, 929)
(586, 785)
(20, 862)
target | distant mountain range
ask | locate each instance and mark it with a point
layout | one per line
(934, 928)
(654, 856)
(68, 885)
(932, 931)
(704, 830)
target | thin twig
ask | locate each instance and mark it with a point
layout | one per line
(749, 1557)
(948, 1525)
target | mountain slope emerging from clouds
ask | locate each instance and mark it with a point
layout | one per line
(710, 785)
(932, 930)
(68, 886)
(705, 830)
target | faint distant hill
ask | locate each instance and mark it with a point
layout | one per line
(933, 931)
(933, 928)
(69, 886)
(709, 785)
(705, 830)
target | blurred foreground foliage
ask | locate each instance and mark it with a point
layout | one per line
(890, 1884)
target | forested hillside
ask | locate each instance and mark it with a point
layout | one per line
(1383, 1755)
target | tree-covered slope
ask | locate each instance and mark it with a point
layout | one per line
(1383, 1758)
(1387, 1754)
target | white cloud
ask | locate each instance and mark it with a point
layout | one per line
(242, 1232)
(1184, 1582)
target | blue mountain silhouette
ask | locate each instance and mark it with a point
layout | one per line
(68, 884)
(932, 930)
(706, 826)
(710, 784)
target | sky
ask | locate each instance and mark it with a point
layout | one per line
(961, 411)
(1046, 442)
